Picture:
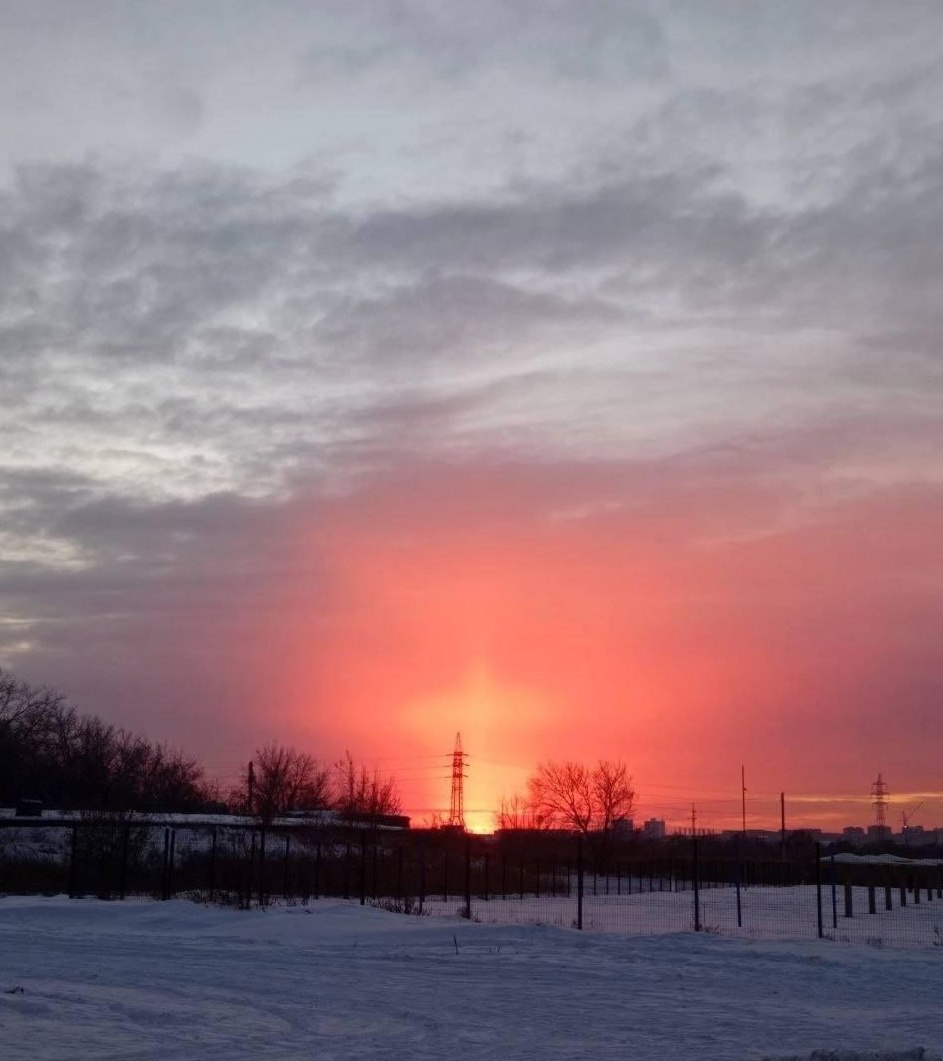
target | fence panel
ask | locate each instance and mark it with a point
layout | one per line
(593, 883)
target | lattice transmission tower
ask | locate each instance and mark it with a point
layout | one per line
(457, 804)
(879, 794)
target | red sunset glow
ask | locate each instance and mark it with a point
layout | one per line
(686, 637)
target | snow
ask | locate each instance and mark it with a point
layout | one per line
(333, 980)
(850, 858)
(788, 913)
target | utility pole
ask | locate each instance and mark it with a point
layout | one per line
(782, 823)
(743, 798)
(693, 820)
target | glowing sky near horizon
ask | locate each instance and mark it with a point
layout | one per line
(567, 374)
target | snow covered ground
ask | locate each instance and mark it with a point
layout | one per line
(765, 913)
(333, 980)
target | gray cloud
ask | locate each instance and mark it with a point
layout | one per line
(224, 325)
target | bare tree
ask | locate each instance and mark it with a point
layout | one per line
(50, 752)
(516, 813)
(613, 794)
(561, 796)
(171, 779)
(363, 794)
(285, 779)
(569, 795)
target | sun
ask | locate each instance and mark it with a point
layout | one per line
(479, 822)
(498, 722)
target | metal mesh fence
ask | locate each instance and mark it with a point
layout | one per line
(549, 879)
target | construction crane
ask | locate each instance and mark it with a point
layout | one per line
(905, 819)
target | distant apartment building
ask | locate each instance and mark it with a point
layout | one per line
(918, 836)
(654, 829)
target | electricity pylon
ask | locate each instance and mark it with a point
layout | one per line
(457, 805)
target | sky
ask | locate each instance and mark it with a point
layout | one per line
(563, 373)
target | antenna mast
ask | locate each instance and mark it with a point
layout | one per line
(457, 805)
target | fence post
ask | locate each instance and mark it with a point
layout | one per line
(579, 882)
(737, 882)
(831, 863)
(468, 910)
(399, 872)
(317, 871)
(373, 866)
(848, 910)
(170, 864)
(487, 894)
(872, 900)
(347, 871)
(262, 866)
(212, 880)
(445, 877)
(363, 868)
(818, 887)
(251, 876)
(422, 873)
(123, 882)
(697, 889)
(73, 866)
(164, 868)
(285, 867)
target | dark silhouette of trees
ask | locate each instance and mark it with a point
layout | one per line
(613, 794)
(285, 779)
(69, 761)
(361, 794)
(48, 751)
(570, 795)
(560, 796)
(517, 814)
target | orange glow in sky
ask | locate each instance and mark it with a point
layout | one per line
(656, 632)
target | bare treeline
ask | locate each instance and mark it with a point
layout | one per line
(49, 752)
(286, 779)
(69, 761)
(572, 796)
